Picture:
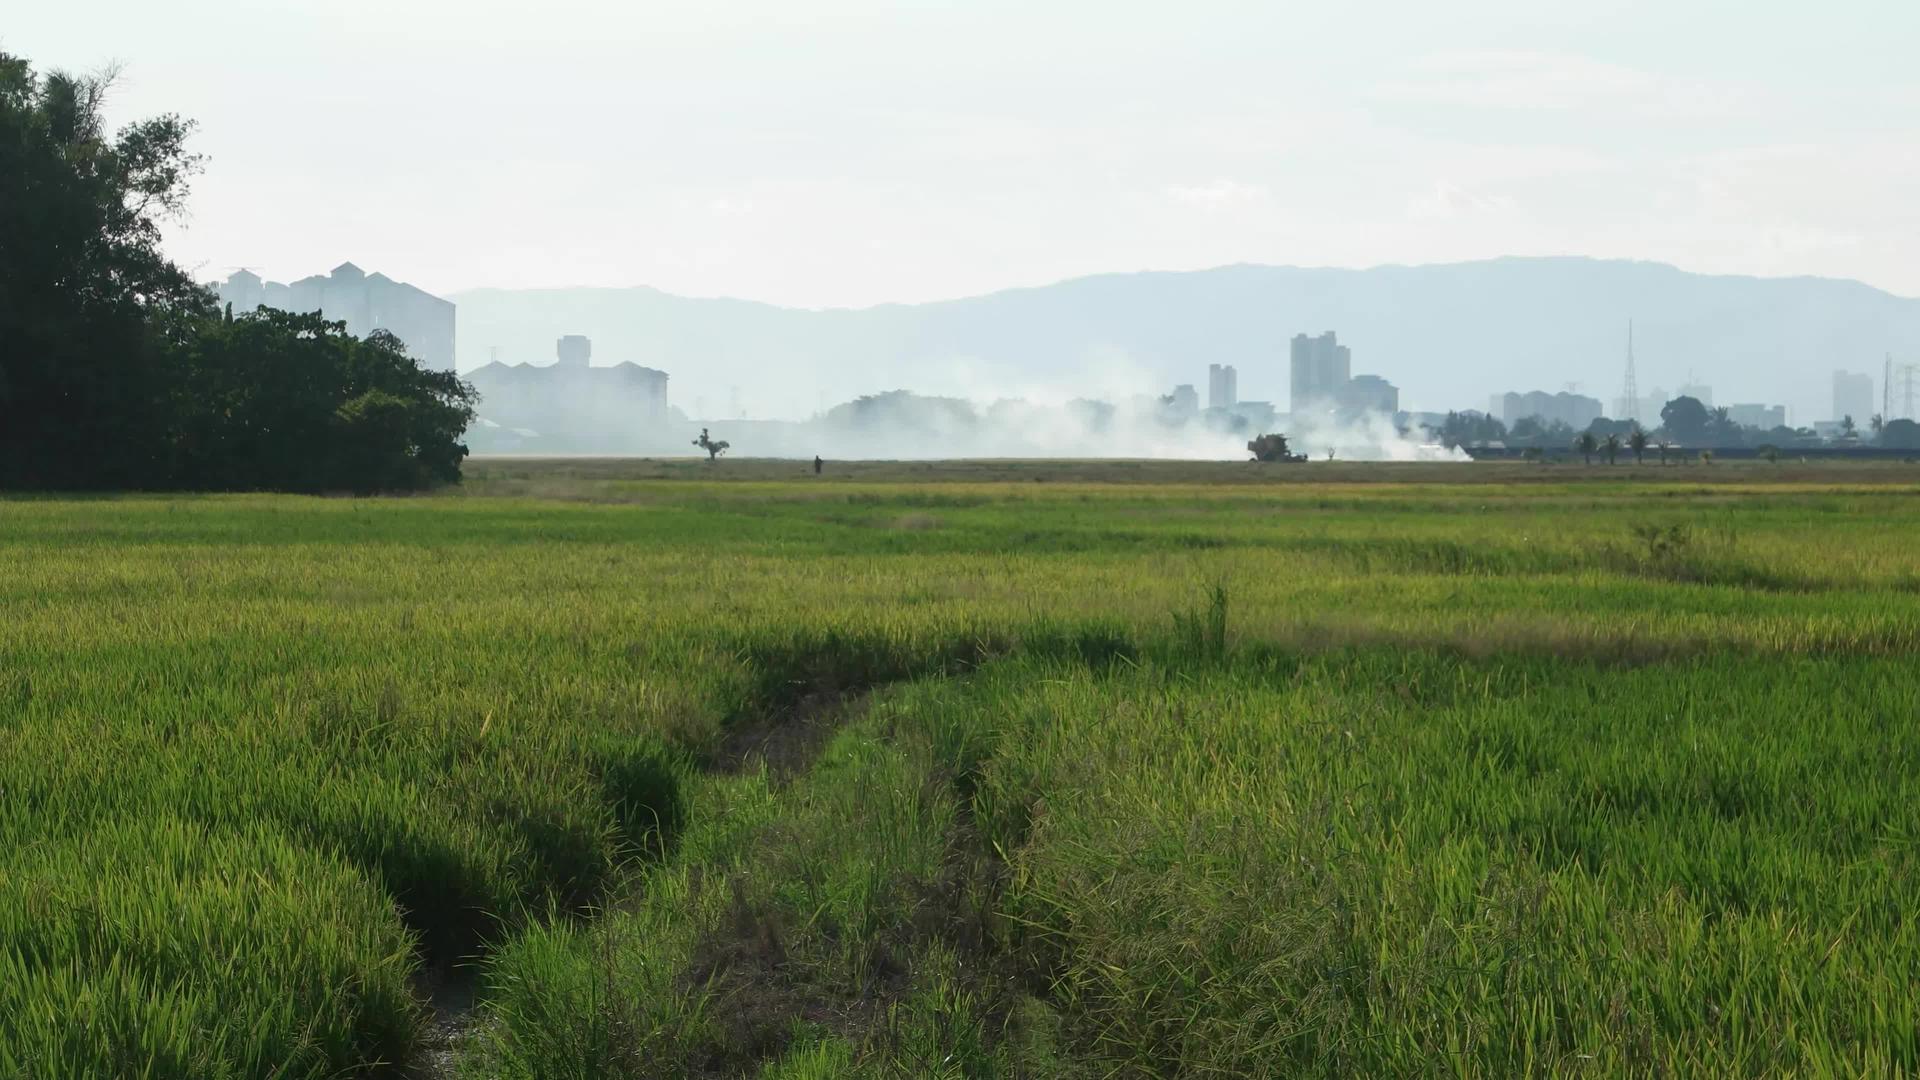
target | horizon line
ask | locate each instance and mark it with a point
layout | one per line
(1216, 268)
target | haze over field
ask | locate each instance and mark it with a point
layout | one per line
(998, 200)
(1447, 335)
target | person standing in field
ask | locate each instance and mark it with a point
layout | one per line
(816, 464)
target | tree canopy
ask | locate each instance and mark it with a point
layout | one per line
(1687, 420)
(1901, 434)
(118, 370)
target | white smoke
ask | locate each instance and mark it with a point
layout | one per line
(966, 411)
(906, 427)
(1368, 437)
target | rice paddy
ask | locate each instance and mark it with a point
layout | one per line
(969, 770)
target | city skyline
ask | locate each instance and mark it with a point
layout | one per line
(1255, 353)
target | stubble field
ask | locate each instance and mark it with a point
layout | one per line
(982, 769)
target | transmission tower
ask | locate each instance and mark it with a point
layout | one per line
(1633, 385)
(1907, 373)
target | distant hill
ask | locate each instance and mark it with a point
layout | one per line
(1447, 335)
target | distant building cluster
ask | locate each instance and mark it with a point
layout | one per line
(1577, 411)
(1646, 409)
(1699, 392)
(1764, 417)
(365, 302)
(1322, 380)
(569, 403)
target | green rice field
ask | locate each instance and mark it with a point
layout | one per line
(989, 769)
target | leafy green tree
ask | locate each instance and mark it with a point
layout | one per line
(295, 403)
(1469, 429)
(116, 369)
(1586, 444)
(89, 306)
(1686, 420)
(1900, 434)
(1612, 448)
(1638, 441)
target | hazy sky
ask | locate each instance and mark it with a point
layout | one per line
(849, 152)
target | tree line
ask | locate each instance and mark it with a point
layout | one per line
(1684, 422)
(118, 371)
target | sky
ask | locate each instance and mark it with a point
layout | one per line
(830, 153)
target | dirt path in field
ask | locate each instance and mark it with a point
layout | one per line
(452, 994)
(758, 996)
(789, 740)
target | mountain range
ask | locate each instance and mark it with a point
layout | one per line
(1448, 335)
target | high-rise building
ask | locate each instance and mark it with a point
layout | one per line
(1223, 386)
(573, 350)
(365, 302)
(1853, 396)
(1259, 415)
(1699, 392)
(570, 405)
(1647, 408)
(1764, 417)
(1576, 411)
(1369, 393)
(1184, 401)
(1320, 367)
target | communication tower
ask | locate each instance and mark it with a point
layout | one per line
(1633, 384)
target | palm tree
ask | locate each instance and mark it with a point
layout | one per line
(1846, 426)
(1879, 424)
(1612, 447)
(1586, 444)
(1638, 440)
(1666, 444)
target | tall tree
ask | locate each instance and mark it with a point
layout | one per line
(88, 304)
(1900, 434)
(1686, 420)
(117, 371)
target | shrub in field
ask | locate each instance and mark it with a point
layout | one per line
(1201, 634)
(713, 447)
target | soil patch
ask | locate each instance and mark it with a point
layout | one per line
(788, 740)
(451, 993)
